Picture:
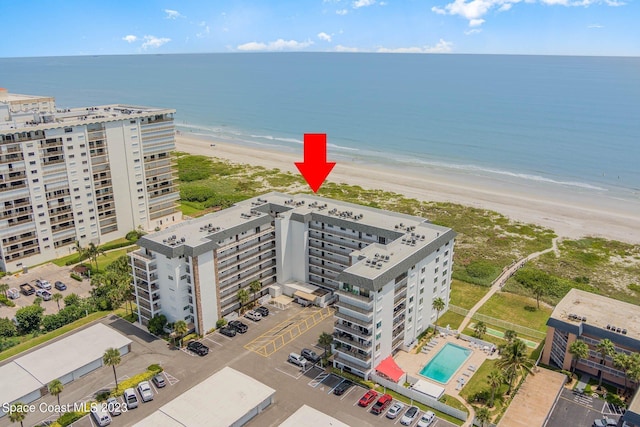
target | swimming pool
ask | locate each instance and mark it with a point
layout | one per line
(442, 367)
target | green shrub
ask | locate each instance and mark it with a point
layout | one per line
(634, 287)
(7, 328)
(353, 378)
(69, 418)
(103, 395)
(189, 337)
(155, 368)
(9, 342)
(220, 323)
(75, 276)
(133, 382)
(6, 301)
(157, 323)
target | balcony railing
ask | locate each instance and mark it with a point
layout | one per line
(334, 241)
(344, 253)
(347, 306)
(335, 268)
(343, 261)
(353, 352)
(366, 346)
(344, 316)
(223, 269)
(234, 252)
(352, 329)
(361, 298)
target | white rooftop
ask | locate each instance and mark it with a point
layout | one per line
(430, 389)
(56, 360)
(309, 417)
(232, 391)
(16, 383)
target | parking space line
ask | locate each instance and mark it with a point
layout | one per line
(318, 379)
(348, 391)
(170, 378)
(292, 376)
(215, 342)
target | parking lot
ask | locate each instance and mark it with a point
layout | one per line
(183, 369)
(578, 409)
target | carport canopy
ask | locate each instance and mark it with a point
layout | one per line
(281, 301)
(390, 369)
(305, 296)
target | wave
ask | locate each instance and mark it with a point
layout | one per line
(300, 141)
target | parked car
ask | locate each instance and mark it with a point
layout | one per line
(395, 410)
(144, 388)
(228, 331)
(114, 406)
(45, 295)
(198, 348)
(382, 404)
(368, 397)
(13, 293)
(60, 286)
(238, 326)
(43, 284)
(101, 417)
(27, 289)
(159, 381)
(253, 315)
(426, 419)
(296, 359)
(605, 422)
(342, 387)
(409, 416)
(130, 398)
(264, 311)
(310, 355)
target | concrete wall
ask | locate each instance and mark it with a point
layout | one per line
(208, 291)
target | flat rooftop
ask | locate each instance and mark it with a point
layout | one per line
(16, 383)
(600, 311)
(309, 417)
(232, 391)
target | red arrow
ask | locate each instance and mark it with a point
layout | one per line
(315, 167)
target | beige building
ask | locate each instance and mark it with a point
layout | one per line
(83, 174)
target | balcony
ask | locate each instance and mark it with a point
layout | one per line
(328, 283)
(343, 261)
(335, 241)
(352, 329)
(334, 250)
(351, 319)
(398, 320)
(396, 343)
(335, 232)
(335, 268)
(234, 252)
(343, 351)
(367, 300)
(364, 311)
(347, 340)
(399, 298)
(319, 271)
(225, 266)
(247, 277)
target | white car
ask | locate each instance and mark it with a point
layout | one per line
(145, 391)
(253, 315)
(409, 416)
(45, 295)
(427, 419)
(395, 409)
(43, 284)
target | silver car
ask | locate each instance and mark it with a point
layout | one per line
(145, 391)
(395, 409)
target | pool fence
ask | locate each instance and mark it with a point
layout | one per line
(500, 323)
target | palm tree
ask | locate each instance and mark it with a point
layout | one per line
(634, 370)
(112, 358)
(4, 288)
(57, 297)
(255, 287)
(538, 291)
(510, 335)
(495, 379)
(622, 361)
(605, 348)
(17, 413)
(483, 415)
(480, 329)
(55, 388)
(82, 252)
(579, 350)
(180, 328)
(243, 297)
(514, 360)
(37, 301)
(438, 305)
(93, 252)
(325, 340)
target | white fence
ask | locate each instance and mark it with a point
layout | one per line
(419, 397)
(499, 323)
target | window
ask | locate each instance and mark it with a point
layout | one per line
(420, 301)
(422, 281)
(378, 347)
(444, 273)
(32, 163)
(436, 270)
(170, 277)
(435, 289)
(425, 268)
(446, 253)
(69, 139)
(35, 180)
(68, 130)
(421, 291)
(437, 259)
(435, 280)
(410, 300)
(379, 325)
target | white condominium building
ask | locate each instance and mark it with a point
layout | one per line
(82, 174)
(383, 269)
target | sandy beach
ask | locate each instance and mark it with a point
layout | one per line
(570, 213)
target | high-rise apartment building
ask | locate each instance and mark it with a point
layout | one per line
(383, 269)
(82, 174)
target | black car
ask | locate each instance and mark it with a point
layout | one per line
(60, 286)
(238, 326)
(310, 355)
(342, 387)
(230, 332)
(262, 310)
(198, 348)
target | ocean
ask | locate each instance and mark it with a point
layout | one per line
(571, 123)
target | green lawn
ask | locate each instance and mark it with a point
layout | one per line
(466, 295)
(108, 258)
(517, 309)
(425, 408)
(450, 318)
(478, 384)
(190, 209)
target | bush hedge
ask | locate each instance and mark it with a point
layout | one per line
(75, 276)
(6, 301)
(133, 382)
(69, 418)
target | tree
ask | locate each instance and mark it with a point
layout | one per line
(4, 288)
(37, 301)
(578, 350)
(72, 300)
(510, 335)
(495, 379)
(157, 323)
(539, 290)
(7, 328)
(30, 318)
(243, 297)
(633, 373)
(514, 361)
(325, 340)
(622, 361)
(17, 412)
(55, 388)
(181, 328)
(479, 329)
(82, 252)
(438, 305)
(483, 415)
(112, 358)
(93, 252)
(606, 348)
(57, 297)
(255, 287)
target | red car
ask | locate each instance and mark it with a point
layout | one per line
(368, 397)
(382, 404)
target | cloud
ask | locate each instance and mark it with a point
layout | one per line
(475, 10)
(172, 14)
(441, 47)
(324, 36)
(341, 48)
(472, 31)
(279, 44)
(597, 26)
(205, 30)
(342, 12)
(130, 38)
(154, 42)
(363, 3)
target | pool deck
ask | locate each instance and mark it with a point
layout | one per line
(413, 363)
